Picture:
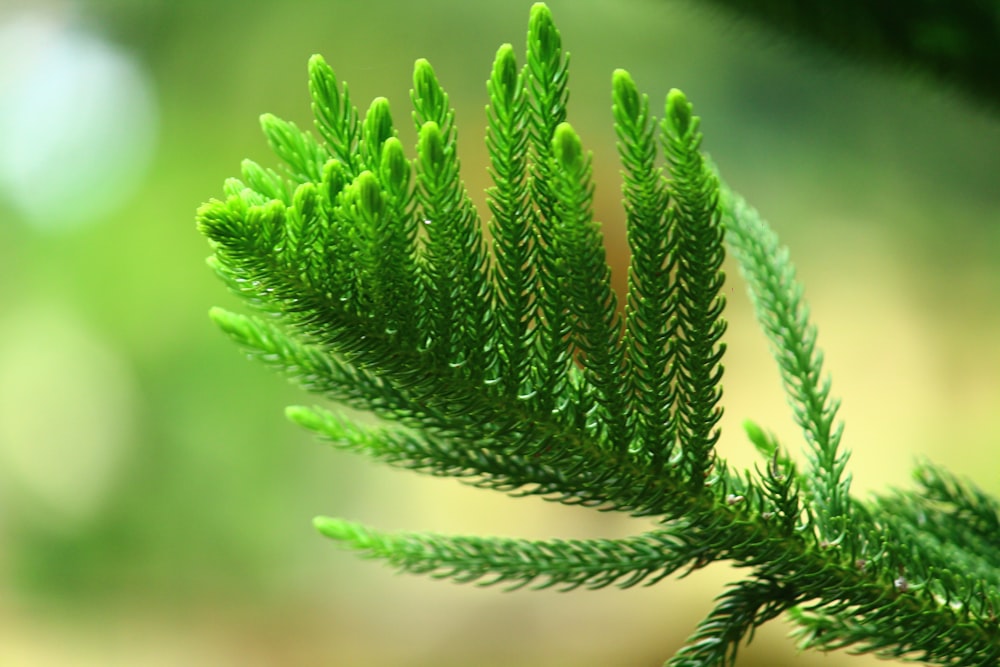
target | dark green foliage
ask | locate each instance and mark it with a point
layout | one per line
(955, 41)
(739, 610)
(507, 363)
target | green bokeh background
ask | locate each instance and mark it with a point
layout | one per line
(155, 505)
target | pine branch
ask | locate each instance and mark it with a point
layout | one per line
(336, 118)
(699, 282)
(511, 227)
(741, 609)
(960, 500)
(595, 329)
(783, 315)
(547, 77)
(652, 301)
(563, 564)
(310, 366)
(506, 364)
(455, 269)
(303, 154)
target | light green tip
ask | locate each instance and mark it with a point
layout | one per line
(317, 62)
(430, 145)
(304, 198)
(332, 528)
(542, 30)
(679, 111)
(539, 13)
(221, 316)
(378, 112)
(378, 122)
(369, 194)
(394, 167)
(503, 82)
(356, 535)
(267, 120)
(424, 79)
(625, 94)
(566, 147)
(302, 416)
(760, 440)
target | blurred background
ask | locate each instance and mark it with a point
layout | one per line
(155, 506)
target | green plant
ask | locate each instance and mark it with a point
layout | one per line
(506, 362)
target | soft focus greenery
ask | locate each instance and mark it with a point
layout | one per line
(151, 493)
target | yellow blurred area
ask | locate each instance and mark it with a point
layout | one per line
(155, 506)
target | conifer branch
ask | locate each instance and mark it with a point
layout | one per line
(699, 323)
(564, 564)
(739, 611)
(336, 118)
(595, 329)
(651, 302)
(782, 313)
(547, 77)
(505, 363)
(511, 226)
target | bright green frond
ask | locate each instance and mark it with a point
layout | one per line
(436, 455)
(265, 182)
(375, 131)
(300, 150)
(506, 363)
(487, 561)
(784, 316)
(456, 268)
(651, 300)
(430, 102)
(546, 77)
(336, 118)
(310, 366)
(595, 328)
(380, 250)
(694, 191)
(962, 500)
(899, 628)
(552, 476)
(514, 275)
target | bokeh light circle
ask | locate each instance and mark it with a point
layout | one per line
(78, 117)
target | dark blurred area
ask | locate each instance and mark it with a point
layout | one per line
(954, 42)
(155, 505)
